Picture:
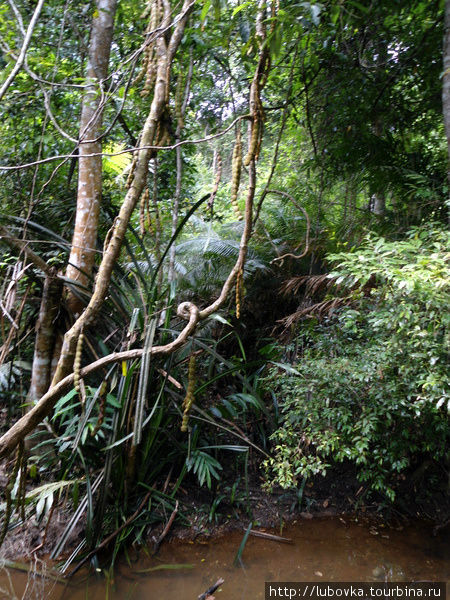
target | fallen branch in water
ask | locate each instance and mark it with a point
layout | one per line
(270, 536)
(26, 568)
(211, 590)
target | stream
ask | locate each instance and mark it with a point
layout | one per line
(322, 549)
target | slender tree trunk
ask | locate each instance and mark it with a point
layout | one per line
(180, 109)
(157, 223)
(379, 197)
(446, 81)
(84, 241)
(45, 338)
(165, 53)
(379, 204)
(175, 209)
(44, 347)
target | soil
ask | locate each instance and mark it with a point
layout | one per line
(205, 514)
(339, 493)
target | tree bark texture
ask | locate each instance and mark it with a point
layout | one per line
(45, 338)
(180, 110)
(378, 198)
(84, 241)
(44, 347)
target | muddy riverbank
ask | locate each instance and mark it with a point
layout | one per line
(321, 549)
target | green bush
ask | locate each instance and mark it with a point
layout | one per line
(373, 386)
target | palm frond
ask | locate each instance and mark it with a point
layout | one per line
(313, 284)
(320, 309)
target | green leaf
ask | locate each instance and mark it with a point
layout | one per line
(275, 41)
(359, 6)
(49, 488)
(335, 12)
(241, 7)
(286, 367)
(205, 10)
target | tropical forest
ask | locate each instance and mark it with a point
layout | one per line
(224, 283)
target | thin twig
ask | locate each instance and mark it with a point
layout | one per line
(18, 17)
(270, 536)
(126, 150)
(166, 529)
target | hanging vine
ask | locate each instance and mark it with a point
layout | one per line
(236, 168)
(189, 398)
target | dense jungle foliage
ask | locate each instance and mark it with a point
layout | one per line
(372, 381)
(224, 256)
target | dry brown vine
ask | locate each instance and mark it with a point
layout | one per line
(236, 167)
(189, 398)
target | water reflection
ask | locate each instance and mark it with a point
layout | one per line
(322, 550)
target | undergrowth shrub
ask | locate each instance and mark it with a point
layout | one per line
(372, 386)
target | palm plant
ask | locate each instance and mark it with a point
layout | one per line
(117, 444)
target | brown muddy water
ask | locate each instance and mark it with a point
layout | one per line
(323, 549)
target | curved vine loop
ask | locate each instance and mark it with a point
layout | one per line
(308, 228)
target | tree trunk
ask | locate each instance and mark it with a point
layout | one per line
(165, 53)
(379, 197)
(446, 81)
(84, 241)
(44, 347)
(379, 204)
(45, 338)
(181, 100)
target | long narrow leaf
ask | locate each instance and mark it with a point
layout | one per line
(183, 222)
(143, 383)
(238, 557)
(74, 520)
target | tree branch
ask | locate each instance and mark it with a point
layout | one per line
(128, 150)
(22, 246)
(42, 409)
(187, 310)
(23, 51)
